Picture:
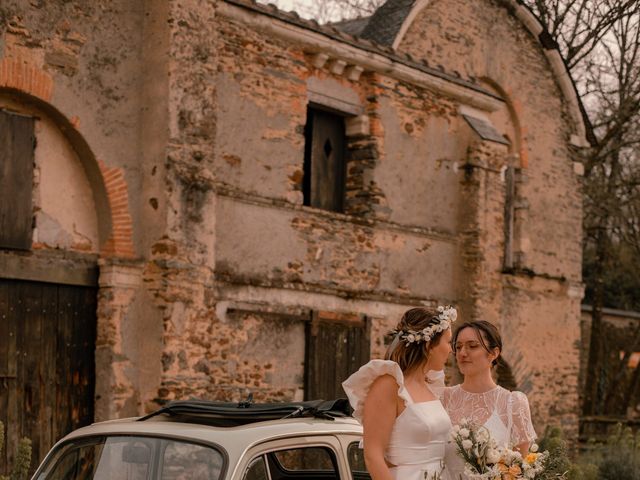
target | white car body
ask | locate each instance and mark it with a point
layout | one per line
(240, 445)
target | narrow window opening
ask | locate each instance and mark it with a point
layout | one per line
(324, 160)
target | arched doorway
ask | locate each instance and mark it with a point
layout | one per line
(49, 244)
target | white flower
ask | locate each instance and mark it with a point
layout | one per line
(534, 448)
(482, 435)
(493, 455)
(463, 421)
(440, 309)
(464, 432)
(453, 314)
(467, 444)
(411, 338)
(530, 474)
(455, 429)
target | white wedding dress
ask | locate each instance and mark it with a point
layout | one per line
(420, 433)
(504, 414)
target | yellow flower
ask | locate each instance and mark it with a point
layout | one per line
(509, 473)
(531, 458)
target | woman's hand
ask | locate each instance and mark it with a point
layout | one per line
(380, 412)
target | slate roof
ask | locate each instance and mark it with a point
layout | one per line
(354, 27)
(387, 20)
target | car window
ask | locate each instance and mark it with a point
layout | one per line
(319, 460)
(257, 470)
(355, 455)
(132, 458)
(183, 461)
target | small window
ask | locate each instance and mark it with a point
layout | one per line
(324, 160)
(315, 458)
(357, 466)
(257, 470)
(187, 460)
(317, 463)
(17, 143)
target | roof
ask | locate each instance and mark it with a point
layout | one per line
(331, 31)
(386, 22)
(353, 27)
(241, 435)
(232, 414)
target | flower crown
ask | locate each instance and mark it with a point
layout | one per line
(446, 316)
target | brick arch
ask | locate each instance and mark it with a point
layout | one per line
(110, 191)
(120, 242)
(19, 75)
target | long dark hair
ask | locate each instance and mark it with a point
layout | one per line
(488, 334)
(412, 355)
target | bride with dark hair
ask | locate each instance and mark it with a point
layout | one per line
(505, 414)
(405, 426)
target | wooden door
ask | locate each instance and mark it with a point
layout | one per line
(17, 143)
(336, 346)
(47, 366)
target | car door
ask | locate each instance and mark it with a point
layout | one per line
(354, 455)
(319, 457)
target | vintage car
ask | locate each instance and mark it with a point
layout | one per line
(200, 440)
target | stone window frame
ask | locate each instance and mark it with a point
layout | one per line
(361, 150)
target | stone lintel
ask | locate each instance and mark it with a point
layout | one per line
(358, 126)
(120, 275)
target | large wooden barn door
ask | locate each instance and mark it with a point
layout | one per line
(47, 366)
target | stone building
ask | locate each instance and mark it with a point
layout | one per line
(217, 198)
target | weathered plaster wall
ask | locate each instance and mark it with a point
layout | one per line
(481, 39)
(64, 218)
(539, 316)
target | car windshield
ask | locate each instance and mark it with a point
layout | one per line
(132, 458)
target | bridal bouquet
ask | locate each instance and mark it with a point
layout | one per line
(486, 461)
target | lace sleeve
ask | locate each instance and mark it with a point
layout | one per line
(522, 429)
(435, 382)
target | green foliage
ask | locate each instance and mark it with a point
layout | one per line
(23, 458)
(616, 459)
(621, 456)
(558, 465)
(621, 280)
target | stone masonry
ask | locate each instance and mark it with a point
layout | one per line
(176, 131)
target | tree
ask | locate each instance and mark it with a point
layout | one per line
(600, 42)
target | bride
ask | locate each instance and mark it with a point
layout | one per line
(504, 414)
(405, 426)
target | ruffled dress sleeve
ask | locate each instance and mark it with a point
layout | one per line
(522, 430)
(357, 386)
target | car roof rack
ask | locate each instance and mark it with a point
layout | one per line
(226, 414)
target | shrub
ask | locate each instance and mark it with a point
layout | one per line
(22, 461)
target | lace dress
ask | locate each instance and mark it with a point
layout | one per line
(420, 433)
(505, 414)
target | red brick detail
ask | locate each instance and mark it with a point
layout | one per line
(27, 78)
(120, 242)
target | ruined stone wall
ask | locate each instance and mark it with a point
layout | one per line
(78, 67)
(189, 126)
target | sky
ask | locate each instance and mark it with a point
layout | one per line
(303, 7)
